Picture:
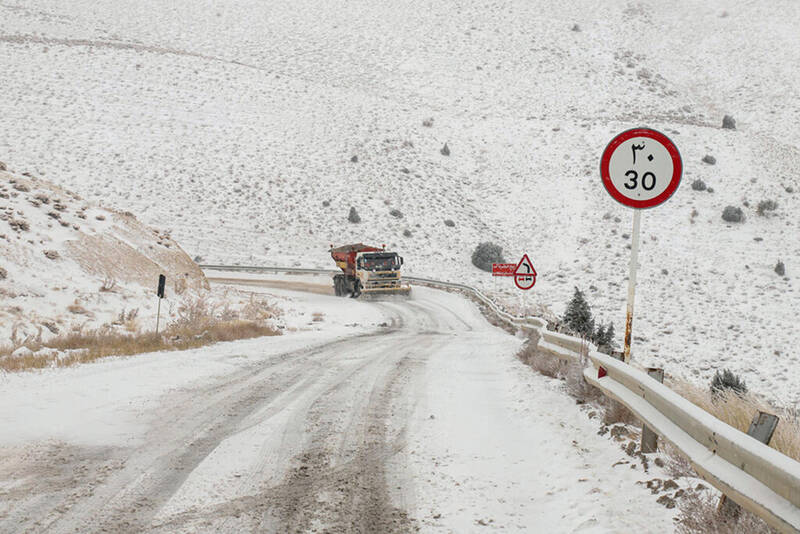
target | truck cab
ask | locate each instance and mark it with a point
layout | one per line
(367, 270)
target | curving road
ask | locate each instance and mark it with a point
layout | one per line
(418, 423)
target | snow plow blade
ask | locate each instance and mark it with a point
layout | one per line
(378, 291)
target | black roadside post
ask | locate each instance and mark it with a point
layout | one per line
(761, 428)
(162, 280)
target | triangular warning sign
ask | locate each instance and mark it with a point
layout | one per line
(525, 267)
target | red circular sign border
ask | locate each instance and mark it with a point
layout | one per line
(677, 167)
(524, 288)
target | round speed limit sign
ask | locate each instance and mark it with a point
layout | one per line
(641, 168)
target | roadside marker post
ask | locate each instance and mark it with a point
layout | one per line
(641, 168)
(650, 438)
(162, 280)
(761, 428)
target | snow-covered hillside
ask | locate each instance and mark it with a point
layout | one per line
(249, 129)
(67, 263)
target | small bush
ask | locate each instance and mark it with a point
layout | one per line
(108, 285)
(353, 216)
(766, 205)
(445, 151)
(732, 214)
(699, 514)
(407, 233)
(728, 122)
(727, 380)
(3, 274)
(711, 160)
(449, 222)
(698, 185)
(428, 122)
(485, 254)
(396, 213)
(780, 269)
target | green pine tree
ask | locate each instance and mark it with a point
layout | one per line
(600, 335)
(578, 316)
(609, 341)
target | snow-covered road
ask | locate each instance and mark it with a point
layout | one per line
(418, 418)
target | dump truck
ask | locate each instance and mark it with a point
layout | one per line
(367, 270)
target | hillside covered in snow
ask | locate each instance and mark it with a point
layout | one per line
(67, 264)
(249, 130)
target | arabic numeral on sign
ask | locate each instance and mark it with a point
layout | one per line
(652, 181)
(648, 180)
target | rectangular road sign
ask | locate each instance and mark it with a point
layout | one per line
(503, 269)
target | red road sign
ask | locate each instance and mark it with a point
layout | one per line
(641, 168)
(525, 274)
(503, 269)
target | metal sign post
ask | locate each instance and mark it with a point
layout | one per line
(637, 217)
(641, 168)
(160, 292)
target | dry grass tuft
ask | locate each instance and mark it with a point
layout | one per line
(616, 412)
(196, 326)
(677, 465)
(699, 515)
(544, 363)
(739, 410)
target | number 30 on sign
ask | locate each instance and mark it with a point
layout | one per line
(641, 168)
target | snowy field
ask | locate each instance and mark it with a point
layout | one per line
(401, 415)
(230, 125)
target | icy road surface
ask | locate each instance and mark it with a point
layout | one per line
(427, 423)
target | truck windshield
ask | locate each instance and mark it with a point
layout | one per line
(380, 262)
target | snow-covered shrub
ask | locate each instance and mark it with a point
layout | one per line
(766, 205)
(727, 380)
(406, 233)
(3, 274)
(485, 254)
(604, 338)
(732, 214)
(698, 185)
(449, 222)
(578, 316)
(708, 158)
(396, 213)
(780, 269)
(353, 216)
(728, 122)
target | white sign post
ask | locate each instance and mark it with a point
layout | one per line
(641, 168)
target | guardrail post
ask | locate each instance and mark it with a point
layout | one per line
(650, 438)
(762, 427)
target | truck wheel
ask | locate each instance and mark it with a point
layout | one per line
(338, 283)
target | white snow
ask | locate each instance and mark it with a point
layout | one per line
(488, 443)
(231, 124)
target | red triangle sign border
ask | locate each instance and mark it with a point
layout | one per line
(523, 260)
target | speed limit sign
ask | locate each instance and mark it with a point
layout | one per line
(641, 168)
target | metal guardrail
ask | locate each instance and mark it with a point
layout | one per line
(755, 476)
(522, 322)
